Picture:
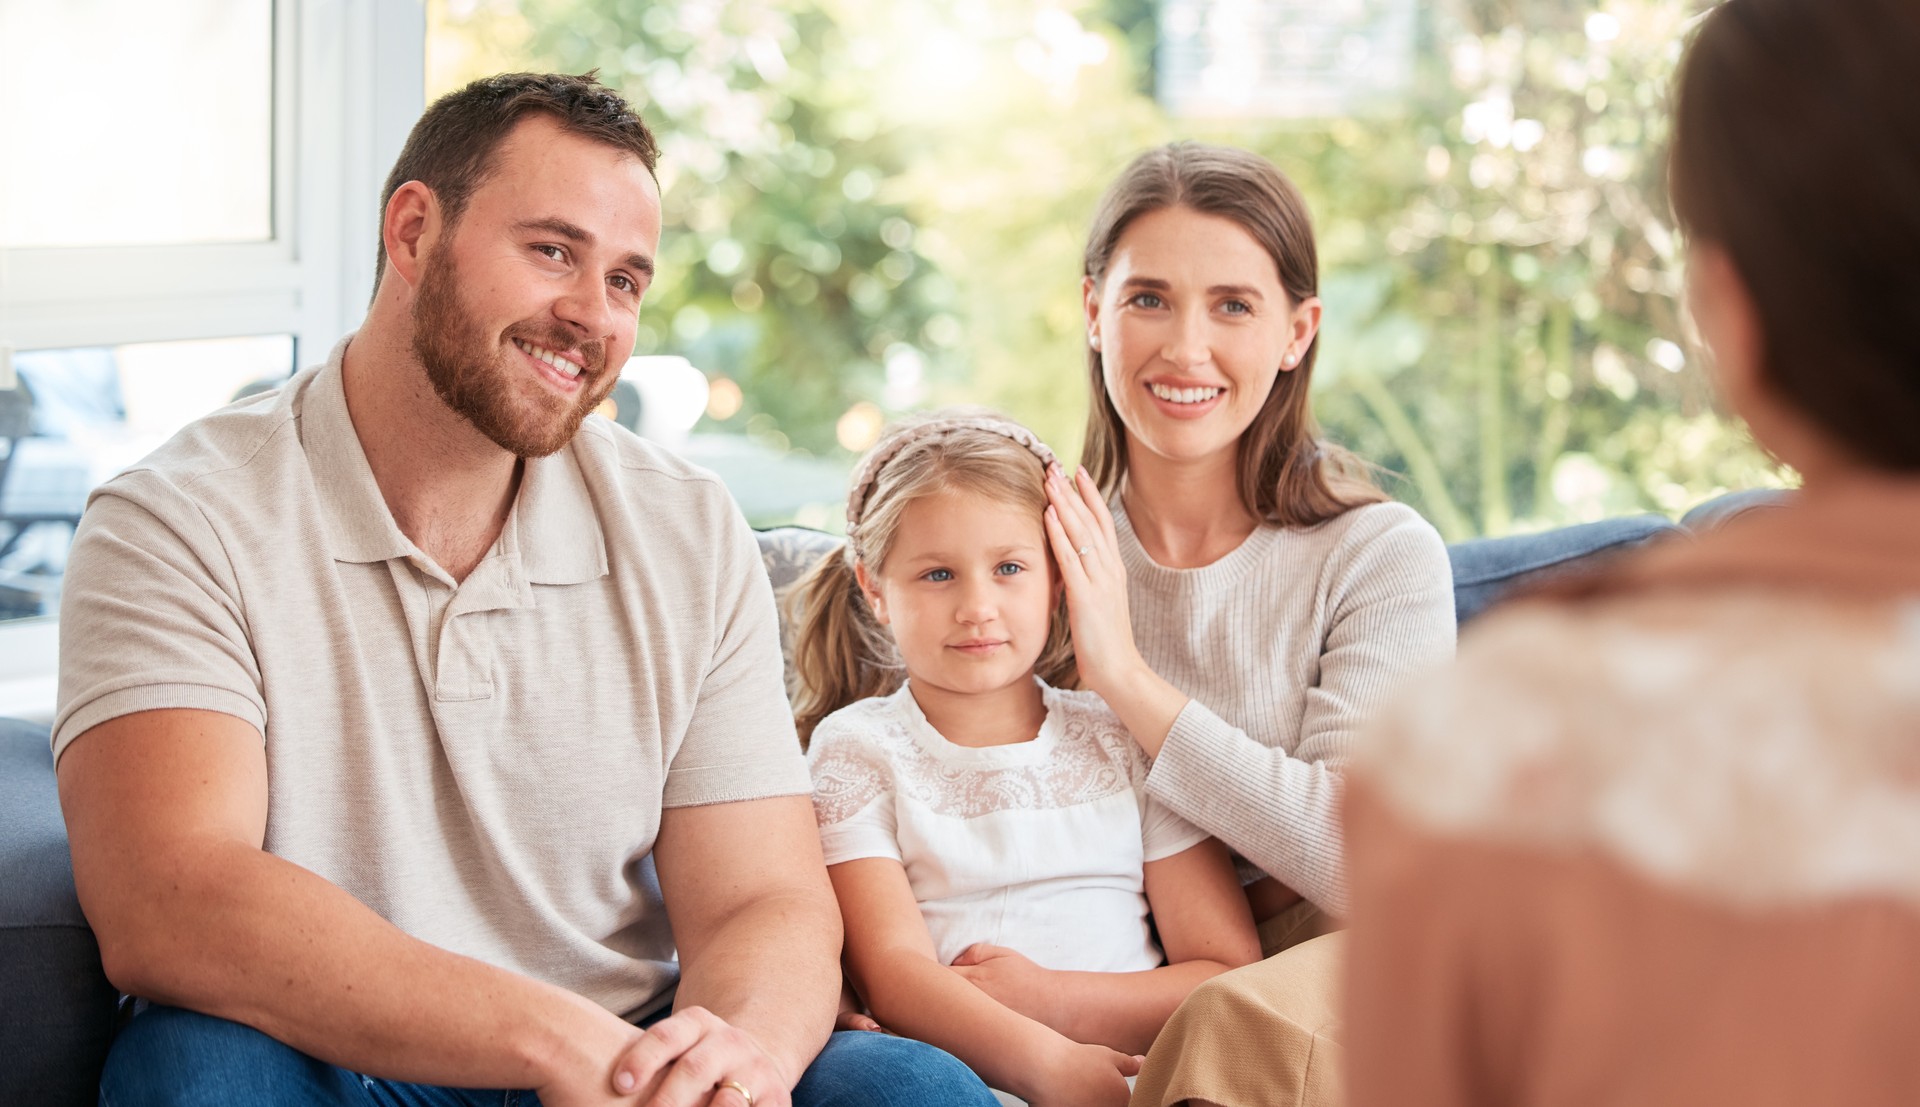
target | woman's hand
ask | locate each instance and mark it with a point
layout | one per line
(1012, 978)
(1078, 1074)
(1080, 529)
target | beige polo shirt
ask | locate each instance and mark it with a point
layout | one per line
(482, 763)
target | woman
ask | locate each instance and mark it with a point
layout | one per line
(1684, 866)
(1238, 597)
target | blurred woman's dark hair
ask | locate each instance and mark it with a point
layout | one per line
(1796, 151)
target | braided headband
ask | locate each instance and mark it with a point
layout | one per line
(869, 470)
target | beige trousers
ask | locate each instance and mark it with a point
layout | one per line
(1267, 1035)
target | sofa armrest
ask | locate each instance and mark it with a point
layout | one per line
(57, 1017)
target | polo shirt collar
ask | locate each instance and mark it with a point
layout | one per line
(555, 530)
(554, 521)
(359, 527)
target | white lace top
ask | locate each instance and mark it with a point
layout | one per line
(1037, 846)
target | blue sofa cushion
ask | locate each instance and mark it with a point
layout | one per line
(57, 1010)
(1488, 569)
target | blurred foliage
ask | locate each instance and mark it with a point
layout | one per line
(883, 201)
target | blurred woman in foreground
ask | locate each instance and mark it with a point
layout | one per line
(1656, 838)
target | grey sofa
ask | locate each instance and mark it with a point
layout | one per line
(57, 1010)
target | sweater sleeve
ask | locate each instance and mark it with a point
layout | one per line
(1388, 610)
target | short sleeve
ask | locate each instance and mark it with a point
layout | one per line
(150, 616)
(852, 792)
(740, 743)
(1163, 833)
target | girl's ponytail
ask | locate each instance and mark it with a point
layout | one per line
(840, 655)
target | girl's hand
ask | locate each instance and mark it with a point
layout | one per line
(1084, 1076)
(854, 1020)
(1080, 530)
(853, 1014)
(1011, 978)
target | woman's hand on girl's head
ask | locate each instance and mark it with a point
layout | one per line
(1080, 530)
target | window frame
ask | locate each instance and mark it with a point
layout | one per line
(349, 80)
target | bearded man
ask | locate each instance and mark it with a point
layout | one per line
(418, 734)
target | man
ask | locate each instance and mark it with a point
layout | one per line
(385, 696)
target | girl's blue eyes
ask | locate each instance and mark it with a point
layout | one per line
(1004, 569)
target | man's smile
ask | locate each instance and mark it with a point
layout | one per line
(564, 364)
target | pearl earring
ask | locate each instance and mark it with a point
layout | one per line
(1093, 340)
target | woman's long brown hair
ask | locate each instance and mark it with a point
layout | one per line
(1286, 474)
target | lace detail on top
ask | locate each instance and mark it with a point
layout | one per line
(881, 746)
(1750, 746)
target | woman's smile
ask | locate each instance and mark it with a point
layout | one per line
(1186, 401)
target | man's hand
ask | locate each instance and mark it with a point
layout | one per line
(1012, 978)
(586, 1080)
(694, 1059)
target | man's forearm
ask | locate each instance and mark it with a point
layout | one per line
(229, 930)
(772, 970)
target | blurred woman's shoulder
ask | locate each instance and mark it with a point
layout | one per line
(1755, 743)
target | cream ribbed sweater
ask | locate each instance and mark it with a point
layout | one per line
(1286, 646)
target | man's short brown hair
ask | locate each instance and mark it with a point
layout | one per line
(451, 148)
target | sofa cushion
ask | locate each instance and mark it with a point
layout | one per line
(791, 551)
(57, 1015)
(1487, 569)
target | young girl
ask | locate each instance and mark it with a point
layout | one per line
(964, 801)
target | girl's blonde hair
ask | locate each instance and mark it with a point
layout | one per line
(840, 653)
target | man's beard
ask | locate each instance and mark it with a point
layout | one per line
(476, 379)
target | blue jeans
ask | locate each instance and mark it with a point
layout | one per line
(175, 1057)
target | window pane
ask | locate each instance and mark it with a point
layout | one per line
(81, 416)
(136, 123)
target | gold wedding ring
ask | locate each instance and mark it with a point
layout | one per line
(738, 1087)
